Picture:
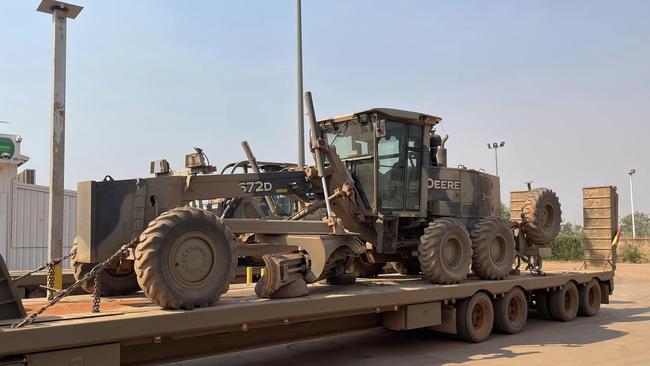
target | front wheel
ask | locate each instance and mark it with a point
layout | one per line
(185, 259)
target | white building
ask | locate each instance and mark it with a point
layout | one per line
(24, 212)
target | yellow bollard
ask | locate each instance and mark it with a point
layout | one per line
(249, 275)
(262, 271)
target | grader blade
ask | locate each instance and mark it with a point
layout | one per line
(281, 270)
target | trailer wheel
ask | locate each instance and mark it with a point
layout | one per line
(475, 318)
(493, 249)
(112, 283)
(185, 259)
(511, 312)
(564, 303)
(445, 251)
(589, 298)
(542, 304)
(541, 216)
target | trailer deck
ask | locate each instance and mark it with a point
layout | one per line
(132, 331)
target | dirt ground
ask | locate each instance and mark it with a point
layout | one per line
(617, 336)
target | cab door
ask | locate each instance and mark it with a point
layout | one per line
(399, 153)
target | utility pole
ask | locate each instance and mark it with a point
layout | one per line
(301, 113)
(631, 173)
(496, 146)
(60, 13)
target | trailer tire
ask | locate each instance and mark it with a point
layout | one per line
(475, 318)
(111, 282)
(445, 251)
(296, 288)
(564, 303)
(542, 304)
(493, 249)
(541, 216)
(185, 259)
(511, 312)
(589, 295)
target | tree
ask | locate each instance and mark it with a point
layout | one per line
(569, 229)
(641, 224)
(505, 212)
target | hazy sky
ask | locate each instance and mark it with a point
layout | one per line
(565, 83)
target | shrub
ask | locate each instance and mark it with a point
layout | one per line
(567, 248)
(632, 254)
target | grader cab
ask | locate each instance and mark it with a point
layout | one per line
(381, 177)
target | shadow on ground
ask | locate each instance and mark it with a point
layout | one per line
(429, 347)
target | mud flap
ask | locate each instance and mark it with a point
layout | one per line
(11, 307)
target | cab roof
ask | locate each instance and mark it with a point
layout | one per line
(390, 112)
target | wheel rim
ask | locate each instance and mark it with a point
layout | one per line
(569, 301)
(498, 249)
(192, 259)
(481, 316)
(451, 252)
(548, 216)
(515, 309)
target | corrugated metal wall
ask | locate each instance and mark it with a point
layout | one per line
(28, 243)
(7, 177)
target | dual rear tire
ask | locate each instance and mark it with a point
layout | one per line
(569, 301)
(478, 315)
(447, 250)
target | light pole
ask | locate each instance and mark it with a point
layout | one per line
(631, 173)
(496, 146)
(60, 12)
(301, 114)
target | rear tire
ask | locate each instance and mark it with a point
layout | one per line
(185, 259)
(111, 282)
(564, 303)
(493, 249)
(589, 295)
(445, 251)
(511, 312)
(475, 318)
(541, 216)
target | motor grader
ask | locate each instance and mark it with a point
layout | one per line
(381, 176)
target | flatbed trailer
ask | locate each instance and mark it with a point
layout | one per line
(132, 331)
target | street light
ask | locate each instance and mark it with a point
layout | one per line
(496, 146)
(631, 172)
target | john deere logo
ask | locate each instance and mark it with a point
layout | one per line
(7, 148)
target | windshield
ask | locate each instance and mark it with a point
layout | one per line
(351, 140)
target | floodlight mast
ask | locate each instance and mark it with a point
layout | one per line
(495, 146)
(60, 13)
(631, 173)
